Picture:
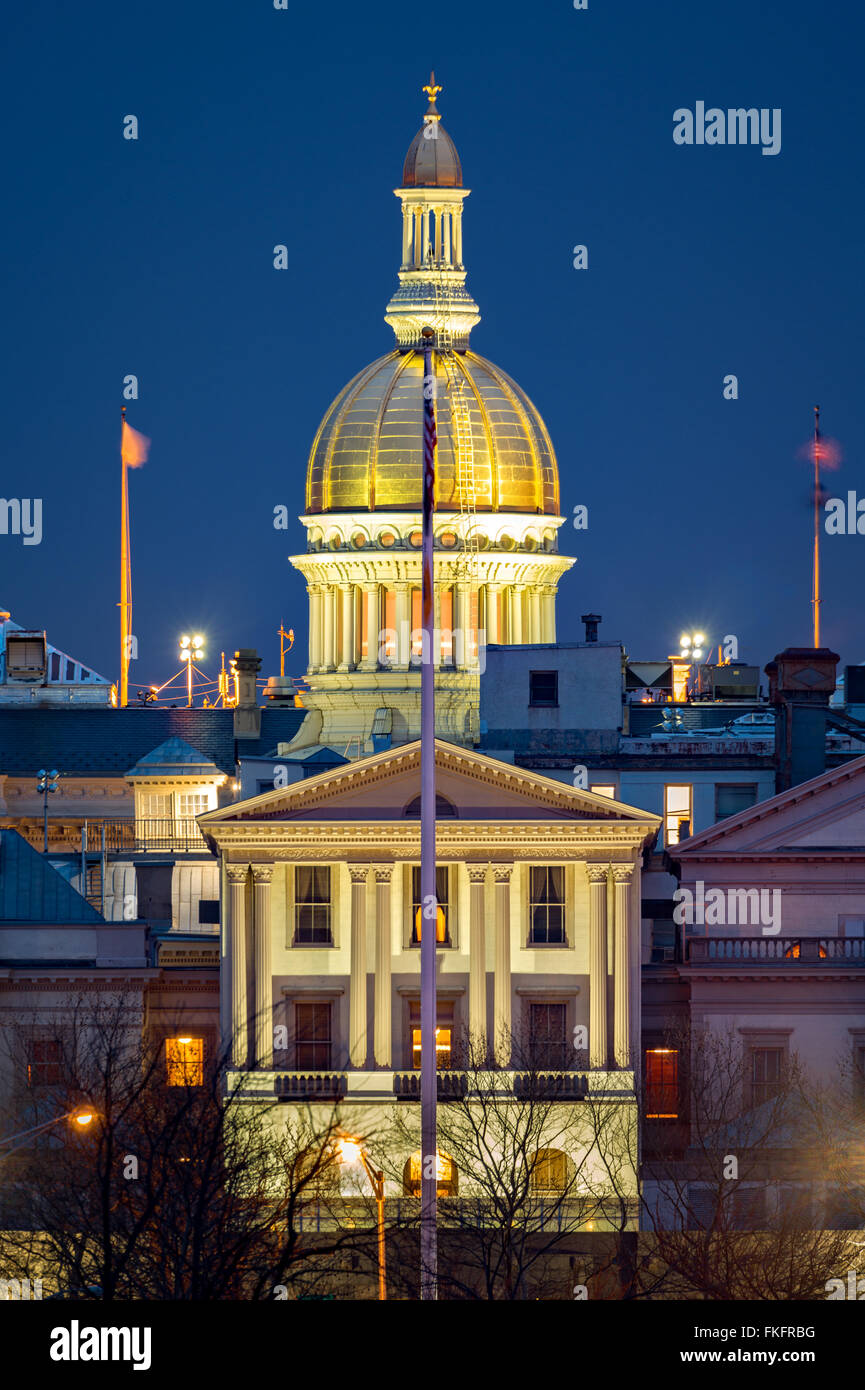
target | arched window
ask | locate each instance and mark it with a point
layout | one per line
(550, 1171)
(447, 1182)
(443, 807)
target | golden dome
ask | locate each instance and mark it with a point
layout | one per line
(368, 452)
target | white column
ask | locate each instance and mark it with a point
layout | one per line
(437, 214)
(314, 591)
(369, 599)
(447, 237)
(502, 993)
(262, 874)
(403, 625)
(437, 623)
(406, 235)
(477, 957)
(598, 1045)
(237, 876)
(383, 1024)
(515, 595)
(548, 614)
(417, 236)
(328, 641)
(424, 235)
(357, 990)
(458, 238)
(535, 614)
(346, 592)
(622, 967)
(462, 611)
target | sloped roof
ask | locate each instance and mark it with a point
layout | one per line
(174, 757)
(107, 742)
(31, 889)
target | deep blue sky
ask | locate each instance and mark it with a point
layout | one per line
(260, 126)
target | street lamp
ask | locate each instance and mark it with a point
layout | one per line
(351, 1151)
(83, 1116)
(47, 783)
(191, 649)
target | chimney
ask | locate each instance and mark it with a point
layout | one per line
(247, 714)
(801, 682)
(591, 621)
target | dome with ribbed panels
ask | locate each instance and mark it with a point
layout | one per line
(368, 453)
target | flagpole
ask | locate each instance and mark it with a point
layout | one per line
(429, 903)
(125, 574)
(815, 586)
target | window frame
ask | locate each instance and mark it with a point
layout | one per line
(535, 703)
(312, 903)
(681, 820)
(316, 1042)
(449, 906)
(532, 904)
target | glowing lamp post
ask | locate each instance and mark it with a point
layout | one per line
(352, 1151)
(191, 649)
(81, 1117)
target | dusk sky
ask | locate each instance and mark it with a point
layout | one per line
(259, 126)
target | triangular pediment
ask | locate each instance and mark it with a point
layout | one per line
(825, 815)
(384, 786)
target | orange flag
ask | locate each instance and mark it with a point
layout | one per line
(133, 446)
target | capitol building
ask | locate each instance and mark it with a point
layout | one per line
(497, 565)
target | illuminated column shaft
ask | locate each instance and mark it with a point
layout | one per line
(437, 213)
(403, 625)
(237, 876)
(357, 987)
(548, 614)
(622, 973)
(515, 595)
(462, 637)
(424, 235)
(371, 602)
(598, 1044)
(406, 235)
(314, 592)
(327, 626)
(417, 237)
(447, 238)
(477, 954)
(346, 593)
(458, 238)
(262, 874)
(502, 991)
(494, 592)
(383, 1023)
(535, 615)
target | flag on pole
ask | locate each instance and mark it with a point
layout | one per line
(134, 447)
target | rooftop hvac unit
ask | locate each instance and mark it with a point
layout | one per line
(731, 681)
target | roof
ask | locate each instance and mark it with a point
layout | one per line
(31, 889)
(172, 758)
(108, 742)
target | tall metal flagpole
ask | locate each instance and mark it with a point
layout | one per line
(125, 571)
(429, 903)
(815, 585)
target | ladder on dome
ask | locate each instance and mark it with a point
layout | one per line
(466, 564)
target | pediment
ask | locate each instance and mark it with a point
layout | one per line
(382, 787)
(826, 814)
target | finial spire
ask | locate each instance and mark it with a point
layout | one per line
(432, 92)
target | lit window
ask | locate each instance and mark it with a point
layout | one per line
(446, 1175)
(312, 905)
(662, 1083)
(155, 806)
(603, 789)
(184, 1061)
(44, 1066)
(442, 885)
(446, 627)
(547, 906)
(549, 1171)
(416, 626)
(677, 813)
(444, 1035)
(388, 639)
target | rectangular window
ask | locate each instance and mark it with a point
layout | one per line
(208, 911)
(446, 627)
(442, 894)
(155, 805)
(548, 1042)
(192, 804)
(677, 813)
(544, 688)
(44, 1067)
(662, 1083)
(184, 1061)
(444, 1035)
(547, 905)
(766, 1066)
(312, 905)
(732, 797)
(312, 1033)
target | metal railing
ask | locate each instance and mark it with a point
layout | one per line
(129, 835)
(775, 950)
